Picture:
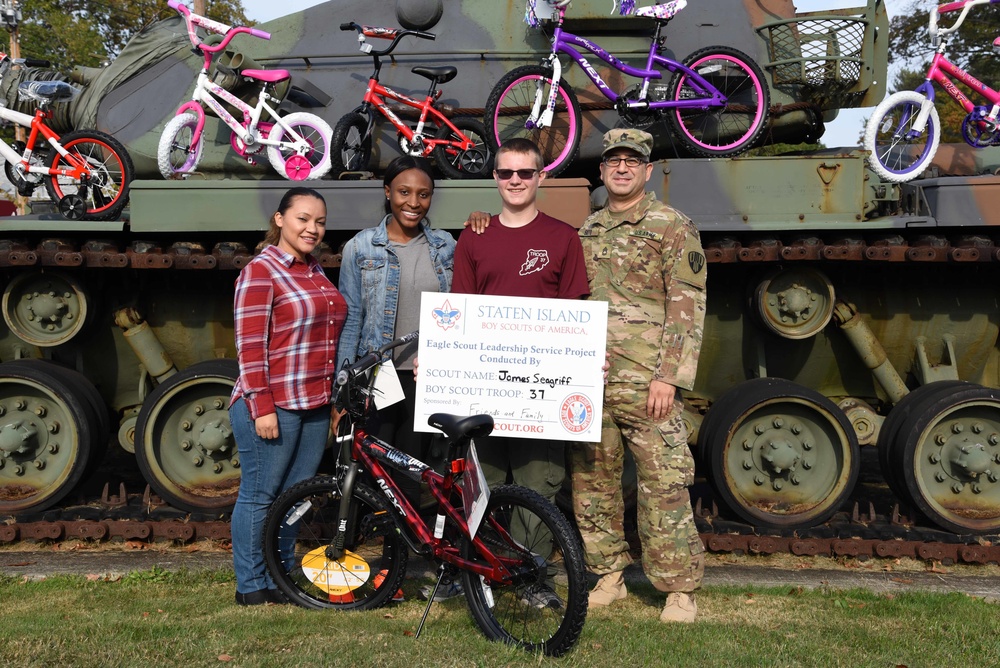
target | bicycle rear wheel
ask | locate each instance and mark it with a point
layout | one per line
(301, 525)
(474, 163)
(111, 174)
(510, 104)
(544, 606)
(895, 152)
(312, 164)
(732, 128)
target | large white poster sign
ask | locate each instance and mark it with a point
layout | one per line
(534, 365)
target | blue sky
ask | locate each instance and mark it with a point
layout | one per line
(842, 132)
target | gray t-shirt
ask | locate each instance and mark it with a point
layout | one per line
(416, 275)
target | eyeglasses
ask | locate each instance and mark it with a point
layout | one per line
(630, 161)
(507, 174)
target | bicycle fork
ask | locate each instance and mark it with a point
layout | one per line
(539, 117)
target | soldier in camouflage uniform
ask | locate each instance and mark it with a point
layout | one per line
(645, 259)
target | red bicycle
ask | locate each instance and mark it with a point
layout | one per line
(341, 541)
(458, 146)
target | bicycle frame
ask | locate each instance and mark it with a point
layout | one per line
(564, 42)
(941, 68)
(37, 124)
(370, 454)
(375, 96)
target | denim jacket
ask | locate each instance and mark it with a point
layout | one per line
(369, 281)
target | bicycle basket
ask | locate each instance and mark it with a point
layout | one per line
(819, 53)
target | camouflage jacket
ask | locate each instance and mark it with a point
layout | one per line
(650, 268)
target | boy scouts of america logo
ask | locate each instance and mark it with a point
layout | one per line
(536, 261)
(445, 316)
(576, 413)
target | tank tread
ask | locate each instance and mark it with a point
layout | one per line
(858, 534)
(892, 248)
(224, 255)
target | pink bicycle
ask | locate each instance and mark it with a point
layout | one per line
(904, 131)
(298, 145)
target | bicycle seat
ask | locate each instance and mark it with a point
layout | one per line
(47, 91)
(440, 75)
(270, 76)
(664, 11)
(458, 427)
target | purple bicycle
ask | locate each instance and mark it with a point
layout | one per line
(717, 103)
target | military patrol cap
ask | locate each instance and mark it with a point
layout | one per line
(637, 140)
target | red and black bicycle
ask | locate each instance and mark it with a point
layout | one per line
(458, 145)
(341, 541)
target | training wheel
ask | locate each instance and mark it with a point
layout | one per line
(72, 207)
(297, 168)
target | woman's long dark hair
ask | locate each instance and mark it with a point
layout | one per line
(273, 231)
(401, 164)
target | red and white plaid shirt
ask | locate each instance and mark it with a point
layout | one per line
(288, 317)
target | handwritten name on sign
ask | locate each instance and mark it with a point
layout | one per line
(534, 365)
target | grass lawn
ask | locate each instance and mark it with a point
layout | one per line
(157, 618)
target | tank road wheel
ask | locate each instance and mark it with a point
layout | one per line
(184, 443)
(780, 455)
(888, 435)
(45, 309)
(947, 455)
(46, 431)
(795, 303)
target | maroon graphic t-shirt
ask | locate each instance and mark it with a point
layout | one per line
(542, 259)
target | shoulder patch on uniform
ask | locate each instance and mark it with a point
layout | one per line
(696, 261)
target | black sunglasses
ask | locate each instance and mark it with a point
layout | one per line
(523, 174)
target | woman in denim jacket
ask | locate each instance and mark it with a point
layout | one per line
(383, 271)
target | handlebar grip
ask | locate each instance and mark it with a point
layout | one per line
(260, 33)
(37, 62)
(424, 35)
(175, 4)
(348, 26)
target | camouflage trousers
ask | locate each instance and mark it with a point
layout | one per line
(672, 551)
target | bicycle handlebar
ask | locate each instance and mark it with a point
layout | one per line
(964, 5)
(395, 34)
(193, 21)
(366, 362)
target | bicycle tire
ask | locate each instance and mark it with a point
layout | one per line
(352, 145)
(175, 154)
(313, 505)
(518, 519)
(508, 108)
(889, 150)
(111, 168)
(316, 132)
(475, 163)
(721, 131)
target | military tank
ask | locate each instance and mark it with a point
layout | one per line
(845, 401)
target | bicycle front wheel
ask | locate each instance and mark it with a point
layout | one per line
(314, 162)
(895, 151)
(545, 604)
(352, 145)
(298, 531)
(730, 129)
(508, 112)
(176, 152)
(111, 174)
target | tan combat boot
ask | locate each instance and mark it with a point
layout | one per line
(680, 607)
(609, 589)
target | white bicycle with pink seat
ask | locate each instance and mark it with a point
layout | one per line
(297, 145)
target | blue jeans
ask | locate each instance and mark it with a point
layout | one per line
(267, 468)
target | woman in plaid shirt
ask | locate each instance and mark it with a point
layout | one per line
(288, 318)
